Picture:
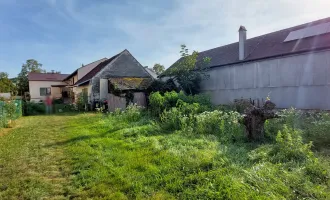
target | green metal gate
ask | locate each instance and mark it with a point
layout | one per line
(3, 115)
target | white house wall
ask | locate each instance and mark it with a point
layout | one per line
(78, 90)
(34, 88)
(301, 81)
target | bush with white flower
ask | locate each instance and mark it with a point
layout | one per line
(224, 124)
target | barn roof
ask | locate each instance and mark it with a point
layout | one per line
(116, 71)
(94, 71)
(92, 64)
(267, 46)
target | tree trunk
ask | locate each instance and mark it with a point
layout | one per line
(255, 118)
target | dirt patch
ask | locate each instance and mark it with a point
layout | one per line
(5, 131)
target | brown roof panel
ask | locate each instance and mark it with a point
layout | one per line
(33, 76)
(268, 45)
(96, 69)
(93, 64)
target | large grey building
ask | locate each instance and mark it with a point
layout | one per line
(292, 66)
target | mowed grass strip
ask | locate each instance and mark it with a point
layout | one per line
(29, 168)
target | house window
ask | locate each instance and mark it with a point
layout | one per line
(45, 91)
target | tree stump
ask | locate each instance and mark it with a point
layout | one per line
(255, 118)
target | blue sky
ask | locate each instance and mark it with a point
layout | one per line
(63, 34)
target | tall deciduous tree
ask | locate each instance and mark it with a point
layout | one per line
(6, 85)
(31, 65)
(158, 68)
(189, 71)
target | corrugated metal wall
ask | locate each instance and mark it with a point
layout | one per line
(301, 81)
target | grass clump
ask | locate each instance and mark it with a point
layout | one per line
(313, 125)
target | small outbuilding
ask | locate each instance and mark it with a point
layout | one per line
(115, 80)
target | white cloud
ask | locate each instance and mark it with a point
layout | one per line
(202, 25)
(154, 33)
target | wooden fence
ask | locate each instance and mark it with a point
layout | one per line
(115, 102)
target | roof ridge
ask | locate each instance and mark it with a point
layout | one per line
(268, 45)
(82, 78)
(139, 63)
(93, 62)
(46, 73)
(293, 27)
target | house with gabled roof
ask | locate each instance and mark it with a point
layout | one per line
(58, 85)
(94, 80)
(46, 84)
(122, 66)
(77, 75)
(291, 66)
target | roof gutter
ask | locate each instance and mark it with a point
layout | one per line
(82, 82)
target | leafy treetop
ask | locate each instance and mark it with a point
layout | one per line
(6, 85)
(188, 71)
(158, 68)
(31, 65)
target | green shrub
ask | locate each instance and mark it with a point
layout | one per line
(223, 124)
(10, 109)
(58, 101)
(3, 120)
(158, 103)
(202, 99)
(133, 113)
(317, 172)
(162, 86)
(186, 117)
(171, 99)
(188, 108)
(60, 108)
(82, 101)
(315, 126)
(170, 119)
(317, 129)
(290, 147)
(31, 108)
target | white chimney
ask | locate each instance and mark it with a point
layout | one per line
(242, 39)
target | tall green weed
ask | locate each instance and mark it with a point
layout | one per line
(314, 126)
(158, 103)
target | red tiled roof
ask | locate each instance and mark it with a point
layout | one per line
(268, 45)
(33, 76)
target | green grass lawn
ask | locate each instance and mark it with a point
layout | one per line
(90, 156)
